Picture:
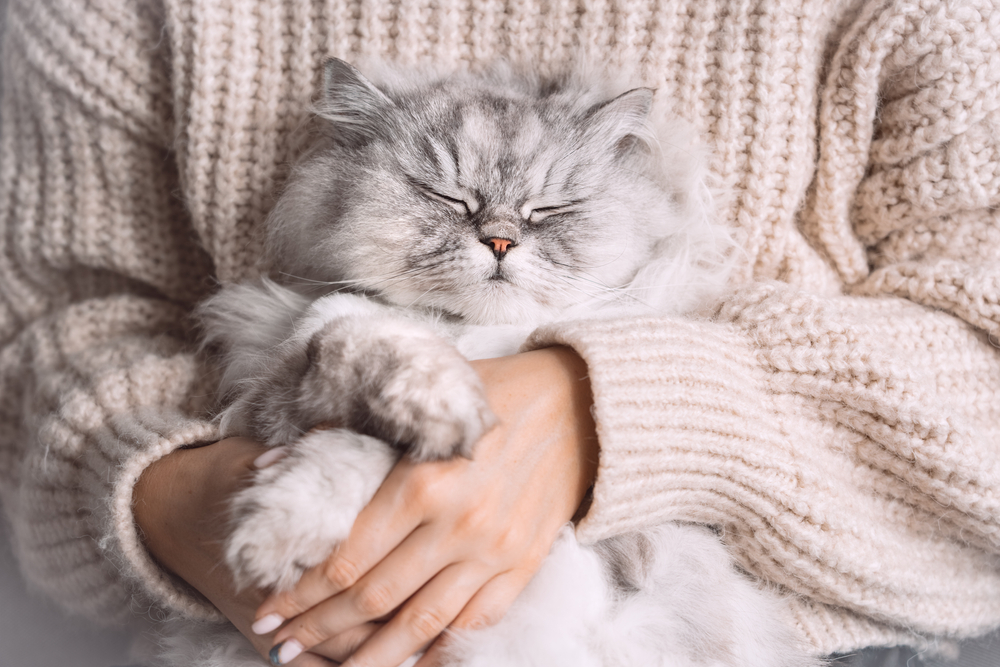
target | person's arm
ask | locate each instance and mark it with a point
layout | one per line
(98, 266)
(182, 509)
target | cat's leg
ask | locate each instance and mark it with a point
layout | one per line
(397, 379)
(666, 597)
(360, 365)
(682, 601)
(300, 507)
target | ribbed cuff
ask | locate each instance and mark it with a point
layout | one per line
(831, 630)
(152, 438)
(77, 538)
(682, 432)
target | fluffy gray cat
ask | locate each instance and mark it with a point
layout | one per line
(435, 219)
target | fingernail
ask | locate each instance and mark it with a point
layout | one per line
(267, 624)
(285, 652)
(270, 457)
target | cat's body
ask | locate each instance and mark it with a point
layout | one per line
(435, 220)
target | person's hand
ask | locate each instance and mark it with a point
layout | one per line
(181, 507)
(450, 544)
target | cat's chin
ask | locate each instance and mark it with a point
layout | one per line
(503, 309)
(496, 303)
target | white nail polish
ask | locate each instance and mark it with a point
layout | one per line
(267, 624)
(270, 457)
(289, 651)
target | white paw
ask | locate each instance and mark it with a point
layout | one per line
(433, 402)
(398, 381)
(304, 504)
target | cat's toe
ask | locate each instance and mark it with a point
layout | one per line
(436, 408)
(295, 511)
(452, 428)
(396, 380)
(263, 564)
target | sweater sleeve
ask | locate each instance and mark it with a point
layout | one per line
(99, 267)
(845, 445)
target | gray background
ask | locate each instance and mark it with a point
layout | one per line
(33, 633)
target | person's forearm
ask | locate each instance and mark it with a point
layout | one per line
(181, 508)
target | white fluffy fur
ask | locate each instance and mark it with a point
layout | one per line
(694, 610)
(302, 505)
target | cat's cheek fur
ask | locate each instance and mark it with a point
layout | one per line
(395, 379)
(301, 507)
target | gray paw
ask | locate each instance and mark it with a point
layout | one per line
(398, 381)
(303, 505)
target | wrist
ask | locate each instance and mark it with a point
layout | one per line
(552, 381)
(181, 503)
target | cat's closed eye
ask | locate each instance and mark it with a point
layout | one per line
(540, 214)
(461, 206)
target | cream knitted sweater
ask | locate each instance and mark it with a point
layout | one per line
(838, 417)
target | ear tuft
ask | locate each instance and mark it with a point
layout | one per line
(620, 124)
(356, 107)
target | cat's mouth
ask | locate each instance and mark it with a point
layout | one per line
(499, 275)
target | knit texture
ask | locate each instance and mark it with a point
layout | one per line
(837, 416)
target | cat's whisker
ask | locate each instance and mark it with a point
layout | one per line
(604, 293)
(586, 277)
(425, 293)
(307, 280)
(607, 293)
(367, 283)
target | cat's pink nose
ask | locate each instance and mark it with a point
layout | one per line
(498, 246)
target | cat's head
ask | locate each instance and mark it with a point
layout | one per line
(498, 197)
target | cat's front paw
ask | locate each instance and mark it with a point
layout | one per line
(397, 381)
(299, 508)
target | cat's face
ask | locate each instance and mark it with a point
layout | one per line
(496, 199)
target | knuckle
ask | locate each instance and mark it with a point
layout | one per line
(510, 540)
(310, 632)
(373, 600)
(426, 623)
(341, 573)
(422, 488)
(480, 620)
(287, 605)
(475, 522)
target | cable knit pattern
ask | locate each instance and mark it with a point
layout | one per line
(837, 417)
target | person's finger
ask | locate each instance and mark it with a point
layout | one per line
(487, 607)
(390, 583)
(435, 653)
(381, 526)
(422, 619)
(343, 645)
(311, 660)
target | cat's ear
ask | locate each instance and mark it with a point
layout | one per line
(620, 124)
(358, 109)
